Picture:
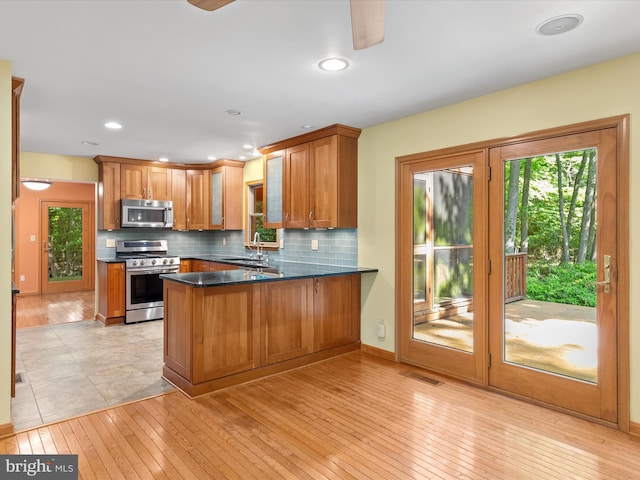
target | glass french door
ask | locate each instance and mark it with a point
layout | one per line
(443, 238)
(553, 291)
(67, 247)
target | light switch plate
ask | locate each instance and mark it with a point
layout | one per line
(314, 244)
(111, 242)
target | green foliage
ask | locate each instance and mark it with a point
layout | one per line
(65, 243)
(266, 234)
(573, 284)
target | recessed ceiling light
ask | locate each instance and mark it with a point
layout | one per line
(559, 24)
(242, 157)
(163, 159)
(211, 157)
(247, 146)
(234, 112)
(113, 125)
(306, 127)
(333, 64)
(87, 142)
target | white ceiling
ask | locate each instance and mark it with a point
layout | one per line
(169, 71)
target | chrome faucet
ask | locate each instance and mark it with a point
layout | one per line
(256, 243)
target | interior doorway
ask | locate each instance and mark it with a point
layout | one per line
(476, 301)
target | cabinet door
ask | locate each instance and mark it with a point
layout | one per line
(185, 266)
(116, 290)
(200, 266)
(336, 309)
(222, 347)
(216, 181)
(219, 267)
(159, 183)
(286, 316)
(197, 200)
(179, 197)
(273, 183)
(133, 181)
(109, 196)
(296, 187)
(323, 192)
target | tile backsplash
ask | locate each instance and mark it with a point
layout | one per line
(335, 247)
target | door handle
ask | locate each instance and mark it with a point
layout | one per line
(607, 274)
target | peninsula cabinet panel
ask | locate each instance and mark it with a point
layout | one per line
(336, 311)
(226, 337)
(197, 199)
(108, 196)
(287, 320)
(111, 293)
(185, 265)
(178, 305)
(179, 197)
(200, 266)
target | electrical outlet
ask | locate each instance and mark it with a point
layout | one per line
(22, 278)
(111, 242)
(282, 243)
(224, 241)
(314, 244)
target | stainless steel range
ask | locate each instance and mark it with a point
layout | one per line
(145, 261)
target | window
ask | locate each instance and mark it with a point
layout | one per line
(255, 213)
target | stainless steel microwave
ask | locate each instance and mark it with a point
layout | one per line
(147, 213)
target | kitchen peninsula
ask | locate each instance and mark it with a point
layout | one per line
(227, 327)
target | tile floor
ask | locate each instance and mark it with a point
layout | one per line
(75, 368)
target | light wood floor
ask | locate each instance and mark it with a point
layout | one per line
(350, 417)
(54, 308)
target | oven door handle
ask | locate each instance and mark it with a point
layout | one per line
(147, 272)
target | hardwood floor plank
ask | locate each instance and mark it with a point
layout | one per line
(350, 417)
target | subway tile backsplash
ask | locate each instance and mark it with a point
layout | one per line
(335, 247)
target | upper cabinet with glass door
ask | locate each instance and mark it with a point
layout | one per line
(226, 184)
(311, 181)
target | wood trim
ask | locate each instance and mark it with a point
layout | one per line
(223, 162)
(378, 352)
(6, 430)
(624, 354)
(634, 428)
(336, 129)
(109, 321)
(196, 390)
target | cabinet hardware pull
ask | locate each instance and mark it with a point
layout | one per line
(317, 285)
(144, 193)
(607, 274)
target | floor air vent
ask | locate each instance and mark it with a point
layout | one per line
(19, 378)
(420, 376)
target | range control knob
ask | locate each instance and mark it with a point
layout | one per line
(153, 262)
(171, 260)
(165, 261)
(134, 263)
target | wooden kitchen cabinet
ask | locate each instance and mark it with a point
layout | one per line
(111, 293)
(197, 200)
(226, 194)
(145, 183)
(201, 344)
(207, 266)
(319, 179)
(185, 265)
(109, 196)
(273, 190)
(286, 319)
(336, 311)
(179, 198)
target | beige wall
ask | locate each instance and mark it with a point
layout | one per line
(5, 243)
(58, 167)
(600, 91)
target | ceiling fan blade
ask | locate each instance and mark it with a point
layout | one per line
(367, 23)
(209, 5)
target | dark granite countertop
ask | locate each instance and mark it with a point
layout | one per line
(270, 273)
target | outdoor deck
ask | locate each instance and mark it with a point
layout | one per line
(549, 336)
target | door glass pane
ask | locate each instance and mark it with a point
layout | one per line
(216, 198)
(550, 264)
(64, 244)
(443, 258)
